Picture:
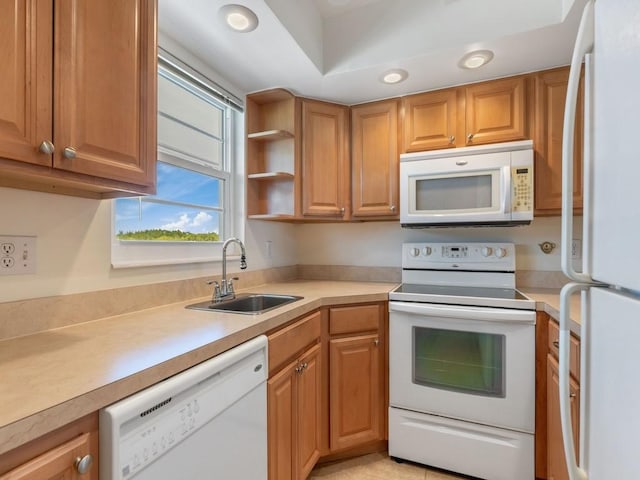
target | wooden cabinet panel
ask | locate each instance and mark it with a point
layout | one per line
(105, 100)
(281, 400)
(57, 464)
(430, 120)
(26, 54)
(325, 160)
(375, 159)
(354, 319)
(556, 463)
(355, 390)
(550, 95)
(290, 341)
(309, 413)
(495, 111)
(574, 348)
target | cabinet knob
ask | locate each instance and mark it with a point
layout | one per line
(556, 343)
(47, 147)
(342, 210)
(392, 208)
(376, 342)
(572, 395)
(69, 153)
(83, 464)
(452, 139)
(470, 137)
(304, 366)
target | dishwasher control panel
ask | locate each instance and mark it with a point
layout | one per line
(142, 428)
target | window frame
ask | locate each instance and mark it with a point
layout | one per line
(141, 253)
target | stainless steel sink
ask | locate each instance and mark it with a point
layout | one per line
(248, 303)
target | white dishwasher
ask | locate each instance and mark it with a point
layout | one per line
(208, 422)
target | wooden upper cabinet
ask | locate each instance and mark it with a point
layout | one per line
(26, 54)
(495, 111)
(78, 96)
(375, 159)
(325, 159)
(550, 95)
(430, 120)
(105, 89)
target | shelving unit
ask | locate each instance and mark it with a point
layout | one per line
(273, 155)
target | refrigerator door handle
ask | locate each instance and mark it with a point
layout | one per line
(584, 45)
(575, 472)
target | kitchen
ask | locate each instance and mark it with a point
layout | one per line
(74, 247)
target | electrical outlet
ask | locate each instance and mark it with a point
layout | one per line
(576, 249)
(17, 255)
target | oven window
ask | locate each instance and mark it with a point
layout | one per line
(453, 193)
(467, 362)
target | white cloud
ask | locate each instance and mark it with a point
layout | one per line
(201, 218)
(185, 223)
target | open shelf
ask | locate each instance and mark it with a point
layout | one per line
(271, 176)
(269, 135)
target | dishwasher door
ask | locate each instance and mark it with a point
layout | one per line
(207, 422)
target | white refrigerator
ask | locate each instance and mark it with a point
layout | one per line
(609, 43)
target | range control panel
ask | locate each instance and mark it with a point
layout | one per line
(483, 256)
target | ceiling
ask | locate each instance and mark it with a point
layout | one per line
(338, 49)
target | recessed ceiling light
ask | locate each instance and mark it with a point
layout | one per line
(396, 75)
(475, 59)
(239, 17)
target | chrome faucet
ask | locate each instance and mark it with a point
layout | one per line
(224, 290)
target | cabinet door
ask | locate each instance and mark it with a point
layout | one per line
(105, 89)
(495, 111)
(25, 90)
(556, 463)
(308, 415)
(429, 121)
(550, 95)
(325, 162)
(375, 160)
(356, 395)
(281, 401)
(59, 463)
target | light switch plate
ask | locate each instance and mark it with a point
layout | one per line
(17, 255)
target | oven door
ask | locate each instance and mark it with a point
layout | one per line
(468, 363)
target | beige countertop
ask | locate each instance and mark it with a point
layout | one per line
(50, 379)
(548, 300)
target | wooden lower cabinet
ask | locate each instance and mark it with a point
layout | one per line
(556, 463)
(294, 400)
(60, 455)
(355, 394)
(357, 376)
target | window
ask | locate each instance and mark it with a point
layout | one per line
(192, 211)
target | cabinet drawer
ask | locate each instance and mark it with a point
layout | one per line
(290, 341)
(354, 319)
(574, 348)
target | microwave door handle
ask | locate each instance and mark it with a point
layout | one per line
(506, 191)
(584, 44)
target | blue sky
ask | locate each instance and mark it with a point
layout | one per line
(178, 185)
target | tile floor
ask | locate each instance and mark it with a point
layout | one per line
(378, 466)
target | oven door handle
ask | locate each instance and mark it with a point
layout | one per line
(495, 315)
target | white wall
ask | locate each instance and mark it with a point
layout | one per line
(378, 243)
(74, 249)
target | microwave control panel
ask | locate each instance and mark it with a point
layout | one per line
(522, 181)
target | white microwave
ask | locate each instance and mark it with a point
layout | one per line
(488, 185)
